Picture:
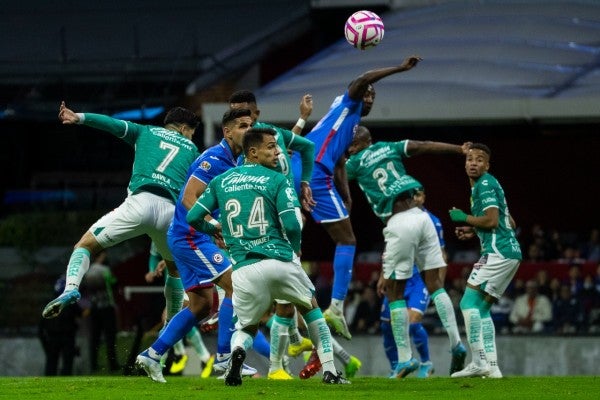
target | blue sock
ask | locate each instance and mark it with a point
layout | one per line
(389, 345)
(342, 270)
(261, 345)
(225, 326)
(420, 339)
(179, 325)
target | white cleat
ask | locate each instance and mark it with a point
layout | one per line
(152, 367)
(495, 373)
(472, 371)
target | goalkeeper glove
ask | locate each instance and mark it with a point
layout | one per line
(458, 215)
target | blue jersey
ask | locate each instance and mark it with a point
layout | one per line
(212, 162)
(334, 132)
(438, 228)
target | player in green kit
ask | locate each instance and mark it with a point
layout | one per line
(491, 221)
(162, 157)
(261, 226)
(283, 325)
(410, 235)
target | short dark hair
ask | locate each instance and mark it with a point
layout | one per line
(242, 96)
(232, 114)
(254, 137)
(180, 115)
(482, 147)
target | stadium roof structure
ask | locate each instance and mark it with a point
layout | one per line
(482, 61)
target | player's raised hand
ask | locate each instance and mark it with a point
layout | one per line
(465, 147)
(66, 115)
(306, 106)
(410, 62)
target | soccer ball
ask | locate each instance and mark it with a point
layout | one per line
(364, 29)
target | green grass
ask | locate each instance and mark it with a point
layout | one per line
(140, 388)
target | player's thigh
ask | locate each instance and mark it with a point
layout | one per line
(400, 246)
(290, 282)
(251, 294)
(329, 207)
(494, 275)
(429, 252)
(122, 223)
(199, 261)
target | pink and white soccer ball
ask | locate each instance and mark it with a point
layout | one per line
(364, 29)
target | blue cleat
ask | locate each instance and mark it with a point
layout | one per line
(425, 370)
(54, 308)
(405, 368)
(459, 354)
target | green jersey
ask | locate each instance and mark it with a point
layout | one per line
(162, 157)
(381, 175)
(287, 139)
(256, 205)
(486, 193)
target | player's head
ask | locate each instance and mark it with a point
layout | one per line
(245, 99)
(368, 100)
(235, 123)
(478, 160)
(261, 147)
(183, 120)
(419, 197)
(360, 140)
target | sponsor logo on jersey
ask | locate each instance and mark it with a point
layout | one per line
(205, 165)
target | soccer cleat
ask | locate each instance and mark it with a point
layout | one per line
(333, 379)
(178, 364)
(280, 375)
(152, 367)
(352, 367)
(233, 375)
(459, 354)
(471, 371)
(337, 321)
(495, 372)
(425, 370)
(207, 367)
(54, 308)
(404, 368)
(211, 323)
(313, 365)
(294, 350)
(221, 366)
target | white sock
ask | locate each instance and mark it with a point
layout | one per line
(340, 352)
(445, 311)
(320, 335)
(400, 323)
(197, 343)
(473, 328)
(488, 331)
(79, 265)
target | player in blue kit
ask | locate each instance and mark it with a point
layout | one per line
(200, 261)
(332, 135)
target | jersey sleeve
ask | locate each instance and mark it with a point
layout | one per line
(125, 130)
(205, 204)
(401, 148)
(306, 148)
(288, 209)
(488, 193)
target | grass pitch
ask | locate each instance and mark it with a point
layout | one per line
(139, 388)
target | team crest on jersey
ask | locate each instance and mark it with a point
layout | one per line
(205, 165)
(218, 258)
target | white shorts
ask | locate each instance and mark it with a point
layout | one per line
(493, 274)
(410, 238)
(255, 286)
(140, 214)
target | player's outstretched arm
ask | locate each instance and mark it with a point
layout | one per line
(359, 86)
(306, 107)
(66, 115)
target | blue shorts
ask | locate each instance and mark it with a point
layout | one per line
(330, 207)
(415, 295)
(198, 260)
(297, 170)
